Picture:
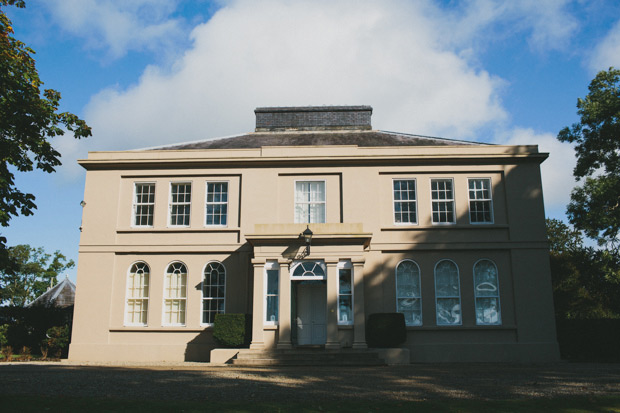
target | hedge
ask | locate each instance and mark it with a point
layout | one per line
(384, 330)
(589, 340)
(27, 326)
(232, 330)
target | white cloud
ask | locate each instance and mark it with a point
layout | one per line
(275, 52)
(557, 170)
(546, 24)
(119, 26)
(607, 53)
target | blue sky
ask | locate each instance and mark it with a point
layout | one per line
(151, 72)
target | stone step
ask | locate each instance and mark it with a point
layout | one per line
(316, 356)
(305, 357)
(301, 362)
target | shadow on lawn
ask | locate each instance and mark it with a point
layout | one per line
(395, 383)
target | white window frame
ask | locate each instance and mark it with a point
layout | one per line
(171, 204)
(496, 296)
(324, 202)
(414, 201)
(451, 200)
(136, 204)
(181, 300)
(437, 298)
(271, 266)
(418, 297)
(296, 264)
(489, 200)
(207, 203)
(143, 298)
(209, 298)
(346, 265)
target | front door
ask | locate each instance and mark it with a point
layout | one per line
(311, 313)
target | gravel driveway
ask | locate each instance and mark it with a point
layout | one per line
(195, 381)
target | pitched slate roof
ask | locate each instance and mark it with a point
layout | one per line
(61, 295)
(362, 138)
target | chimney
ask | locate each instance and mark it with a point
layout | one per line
(308, 118)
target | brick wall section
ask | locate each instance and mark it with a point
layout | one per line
(313, 118)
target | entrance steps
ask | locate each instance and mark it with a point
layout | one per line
(308, 357)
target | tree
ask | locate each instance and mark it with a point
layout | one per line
(586, 281)
(595, 206)
(31, 273)
(29, 119)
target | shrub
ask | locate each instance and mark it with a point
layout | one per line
(27, 326)
(385, 330)
(229, 330)
(4, 328)
(8, 353)
(57, 340)
(25, 354)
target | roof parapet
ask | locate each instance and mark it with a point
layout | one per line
(270, 119)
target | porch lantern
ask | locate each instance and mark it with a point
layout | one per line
(307, 235)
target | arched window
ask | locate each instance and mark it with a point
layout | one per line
(408, 292)
(213, 291)
(309, 270)
(137, 295)
(486, 291)
(175, 294)
(447, 293)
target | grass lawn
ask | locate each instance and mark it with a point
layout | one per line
(64, 404)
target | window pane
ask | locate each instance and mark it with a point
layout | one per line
(272, 308)
(486, 290)
(448, 311)
(345, 281)
(310, 202)
(272, 281)
(447, 293)
(408, 292)
(144, 204)
(213, 291)
(216, 206)
(180, 204)
(446, 279)
(345, 308)
(487, 311)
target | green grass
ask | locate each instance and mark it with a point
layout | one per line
(64, 404)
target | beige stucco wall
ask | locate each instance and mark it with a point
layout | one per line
(358, 202)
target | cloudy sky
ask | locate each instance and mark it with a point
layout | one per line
(152, 72)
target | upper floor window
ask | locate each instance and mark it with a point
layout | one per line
(486, 291)
(447, 293)
(213, 291)
(480, 202)
(137, 305)
(442, 198)
(217, 203)
(405, 205)
(345, 293)
(143, 204)
(175, 294)
(272, 272)
(409, 292)
(309, 202)
(180, 203)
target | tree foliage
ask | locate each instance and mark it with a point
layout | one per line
(595, 206)
(29, 119)
(586, 281)
(31, 273)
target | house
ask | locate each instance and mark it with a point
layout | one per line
(62, 295)
(450, 233)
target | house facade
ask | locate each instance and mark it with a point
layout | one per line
(450, 233)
